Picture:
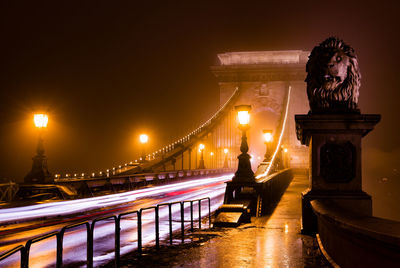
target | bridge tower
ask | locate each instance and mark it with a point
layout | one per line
(263, 79)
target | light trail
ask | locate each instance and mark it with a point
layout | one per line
(280, 138)
(82, 205)
(43, 253)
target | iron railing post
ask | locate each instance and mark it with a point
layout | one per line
(183, 222)
(60, 238)
(191, 216)
(139, 230)
(117, 241)
(157, 228)
(35, 240)
(209, 212)
(22, 252)
(170, 222)
(199, 214)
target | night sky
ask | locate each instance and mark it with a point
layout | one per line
(105, 71)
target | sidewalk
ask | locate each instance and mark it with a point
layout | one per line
(269, 241)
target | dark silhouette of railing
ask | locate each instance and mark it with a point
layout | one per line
(90, 228)
(121, 182)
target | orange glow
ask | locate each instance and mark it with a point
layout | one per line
(40, 120)
(244, 117)
(201, 147)
(268, 137)
(243, 114)
(212, 153)
(144, 138)
(225, 151)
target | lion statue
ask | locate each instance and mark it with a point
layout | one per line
(333, 77)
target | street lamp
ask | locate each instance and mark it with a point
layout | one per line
(226, 158)
(39, 172)
(244, 172)
(201, 163)
(143, 140)
(285, 157)
(268, 139)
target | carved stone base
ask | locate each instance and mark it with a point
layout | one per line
(244, 172)
(358, 202)
(39, 172)
(334, 142)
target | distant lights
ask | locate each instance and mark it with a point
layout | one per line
(267, 135)
(201, 147)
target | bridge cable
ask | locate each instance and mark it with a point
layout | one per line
(279, 140)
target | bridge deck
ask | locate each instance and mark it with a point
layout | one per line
(269, 241)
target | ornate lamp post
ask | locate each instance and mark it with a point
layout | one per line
(39, 172)
(285, 161)
(201, 162)
(226, 158)
(143, 140)
(268, 139)
(244, 172)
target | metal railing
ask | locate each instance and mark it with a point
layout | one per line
(90, 187)
(8, 191)
(90, 228)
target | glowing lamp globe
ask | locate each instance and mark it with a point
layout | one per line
(201, 147)
(40, 120)
(268, 135)
(144, 138)
(243, 114)
(225, 151)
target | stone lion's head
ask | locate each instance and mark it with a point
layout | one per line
(333, 77)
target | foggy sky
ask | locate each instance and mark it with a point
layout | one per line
(107, 71)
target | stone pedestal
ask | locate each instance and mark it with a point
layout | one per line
(39, 172)
(335, 161)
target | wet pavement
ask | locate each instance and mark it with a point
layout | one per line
(269, 241)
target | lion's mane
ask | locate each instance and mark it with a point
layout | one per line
(345, 96)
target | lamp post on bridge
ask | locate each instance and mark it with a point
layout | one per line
(143, 140)
(201, 162)
(226, 158)
(285, 155)
(39, 172)
(268, 139)
(244, 172)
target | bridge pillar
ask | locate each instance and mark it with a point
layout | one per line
(335, 161)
